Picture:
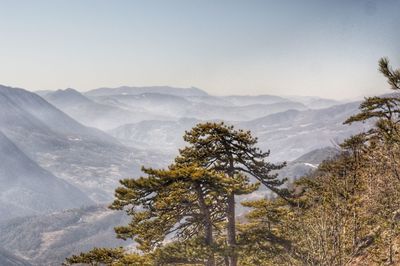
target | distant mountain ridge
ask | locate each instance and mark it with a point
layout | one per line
(67, 96)
(293, 133)
(242, 100)
(95, 113)
(125, 90)
(315, 102)
(288, 134)
(106, 112)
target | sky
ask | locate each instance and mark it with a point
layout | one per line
(298, 47)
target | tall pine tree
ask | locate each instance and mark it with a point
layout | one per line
(185, 201)
(226, 150)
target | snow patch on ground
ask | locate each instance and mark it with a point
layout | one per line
(311, 165)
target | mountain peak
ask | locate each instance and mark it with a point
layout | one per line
(66, 96)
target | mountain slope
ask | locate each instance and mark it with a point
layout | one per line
(162, 135)
(292, 133)
(49, 239)
(243, 112)
(307, 163)
(26, 188)
(295, 169)
(9, 259)
(85, 157)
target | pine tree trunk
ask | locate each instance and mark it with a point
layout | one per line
(232, 229)
(226, 260)
(209, 239)
(209, 242)
(231, 216)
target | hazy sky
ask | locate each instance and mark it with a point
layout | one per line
(325, 48)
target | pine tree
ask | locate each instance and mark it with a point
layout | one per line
(221, 148)
(109, 256)
(393, 76)
(185, 200)
(386, 113)
(385, 110)
(263, 238)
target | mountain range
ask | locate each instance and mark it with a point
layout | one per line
(85, 157)
(107, 108)
(287, 134)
